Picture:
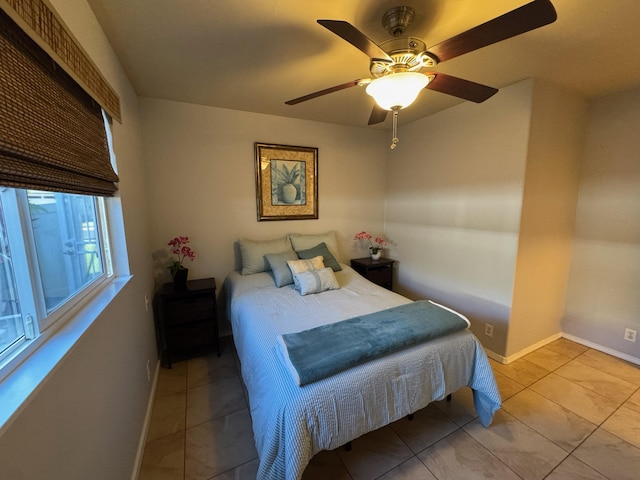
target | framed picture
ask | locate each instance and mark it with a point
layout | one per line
(286, 182)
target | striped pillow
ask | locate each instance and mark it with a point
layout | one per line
(316, 281)
(303, 265)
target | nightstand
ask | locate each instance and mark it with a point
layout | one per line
(186, 320)
(379, 272)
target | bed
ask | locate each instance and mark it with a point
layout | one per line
(291, 423)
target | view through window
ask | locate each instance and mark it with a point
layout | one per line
(53, 249)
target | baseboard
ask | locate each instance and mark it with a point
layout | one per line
(607, 350)
(522, 353)
(137, 465)
(542, 343)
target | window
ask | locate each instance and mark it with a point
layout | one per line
(53, 251)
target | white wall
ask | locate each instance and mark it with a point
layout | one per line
(454, 196)
(86, 418)
(604, 284)
(202, 180)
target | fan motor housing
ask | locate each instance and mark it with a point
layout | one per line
(409, 54)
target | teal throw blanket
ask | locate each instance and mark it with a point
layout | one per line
(322, 351)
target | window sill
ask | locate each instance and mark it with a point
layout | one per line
(22, 376)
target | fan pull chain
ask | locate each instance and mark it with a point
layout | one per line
(394, 140)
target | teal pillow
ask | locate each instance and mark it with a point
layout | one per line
(321, 249)
(281, 271)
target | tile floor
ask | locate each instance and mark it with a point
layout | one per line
(569, 412)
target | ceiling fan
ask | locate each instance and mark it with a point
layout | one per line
(401, 67)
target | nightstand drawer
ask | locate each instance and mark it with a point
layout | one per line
(379, 271)
(186, 319)
(380, 276)
(189, 310)
(193, 336)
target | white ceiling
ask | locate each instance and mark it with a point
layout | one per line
(252, 55)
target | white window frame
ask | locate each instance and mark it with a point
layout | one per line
(35, 318)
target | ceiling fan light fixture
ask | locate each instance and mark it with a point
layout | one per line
(397, 89)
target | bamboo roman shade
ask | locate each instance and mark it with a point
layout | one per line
(52, 133)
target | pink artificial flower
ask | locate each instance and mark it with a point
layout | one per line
(379, 241)
(181, 250)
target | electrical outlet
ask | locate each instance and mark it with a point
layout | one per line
(146, 302)
(148, 370)
(630, 334)
(488, 330)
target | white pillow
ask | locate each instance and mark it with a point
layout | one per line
(316, 281)
(299, 266)
(253, 253)
(305, 242)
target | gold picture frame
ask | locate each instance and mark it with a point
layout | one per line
(286, 182)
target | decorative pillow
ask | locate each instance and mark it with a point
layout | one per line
(321, 249)
(281, 271)
(299, 266)
(316, 281)
(253, 252)
(304, 242)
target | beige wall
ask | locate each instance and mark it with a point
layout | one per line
(202, 180)
(556, 142)
(454, 196)
(604, 284)
(85, 420)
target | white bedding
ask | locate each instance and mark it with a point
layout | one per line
(292, 423)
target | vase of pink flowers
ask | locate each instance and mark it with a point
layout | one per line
(375, 244)
(179, 273)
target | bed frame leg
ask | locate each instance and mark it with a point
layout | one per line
(347, 447)
(410, 417)
(449, 398)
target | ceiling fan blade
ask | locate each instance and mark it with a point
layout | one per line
(523, 19)
(378, 115)
(461, 88)
(355, 37)
(319, 93)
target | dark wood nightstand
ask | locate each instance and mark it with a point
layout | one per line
(186, 320)
(379, 272)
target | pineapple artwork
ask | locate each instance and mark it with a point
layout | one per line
(289, 185)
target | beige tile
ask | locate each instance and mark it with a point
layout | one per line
(634, 401)
(588, 404)
(561, 426)
(164, 458)
(625, 423)
(597, 381)
(612, 365)
(521, 448)
(210, 368)
(460, 408)
(172, 380)
(507, 386)
(427, 427)
(219, 445)
(610, 455)
(460, 457)
(547, 358)
(412, 469)
(247, 471)
(566, 347)
(574, 469)
(324, 465)
(522, 371)
(374, 454)
(214, 400)
(168, 415)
